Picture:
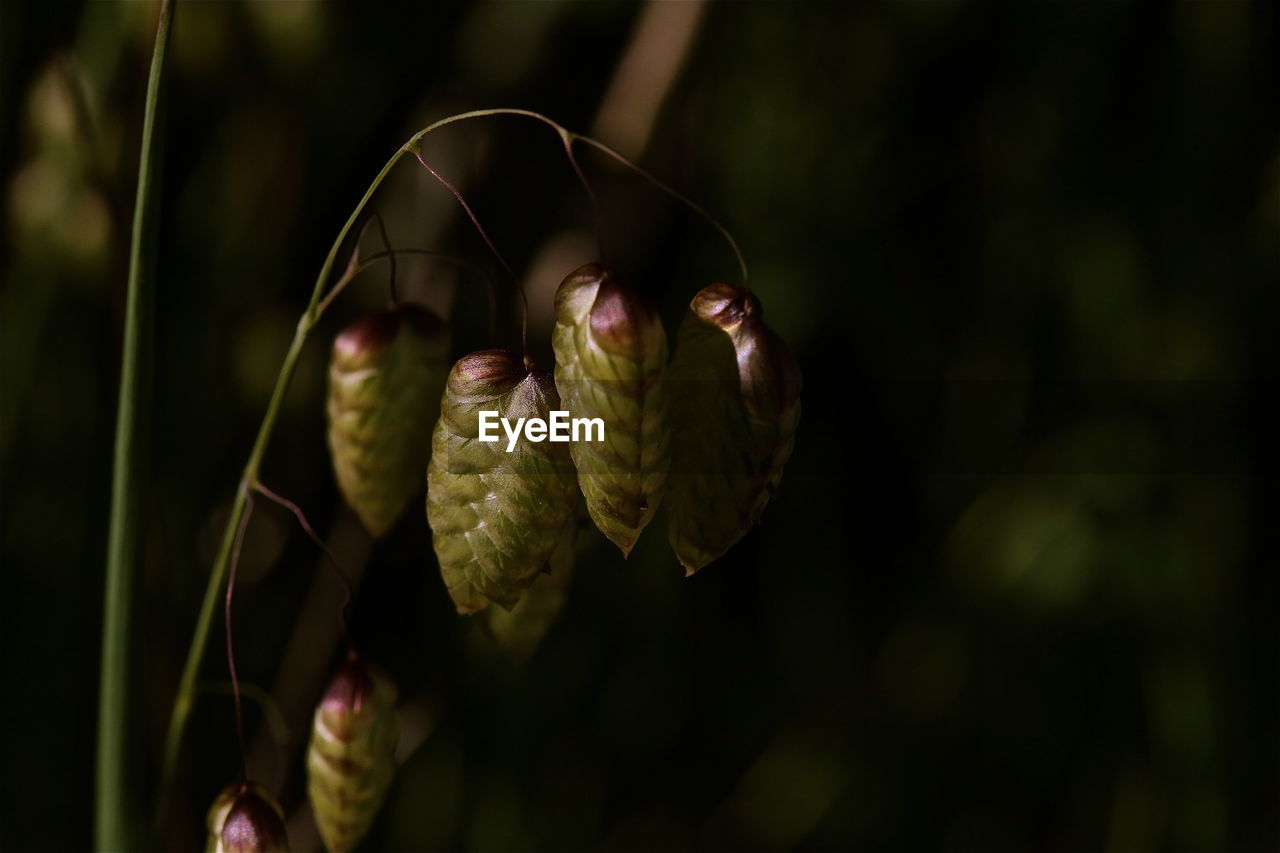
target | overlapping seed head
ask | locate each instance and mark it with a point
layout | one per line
(611, 357)
(245, 819)
(735, 406)
(520, 630)
(350, 760)
(386, 372)
(495, 516)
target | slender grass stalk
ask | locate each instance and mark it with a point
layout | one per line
(115, 818)
(186, 693)
(195, 654)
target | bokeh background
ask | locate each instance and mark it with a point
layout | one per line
(1012, 593)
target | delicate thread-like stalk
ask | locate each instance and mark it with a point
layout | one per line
(195, 654)
(186, 692)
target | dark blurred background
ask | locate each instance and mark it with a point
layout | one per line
(1011, 595)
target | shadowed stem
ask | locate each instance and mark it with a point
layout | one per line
(186, 692)
(115, 817)
(391, 255)
(568, 138)
(231, 645)
(677, 195)
(185, 697)
(342, 574)
(484, 235)
(358, 266)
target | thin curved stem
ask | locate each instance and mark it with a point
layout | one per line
(328, 552)
(276, 723)
(185, 695)
(386, 242)
(231, 646)
(566, 139)
(678, 196)
(484, 235)
(354, 269)
(600, 146)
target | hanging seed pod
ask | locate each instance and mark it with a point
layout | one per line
(386, 373)
(495, 515)
(611, 356)
(735, 390)
(350, 760)
(245, 819)
(520, 630)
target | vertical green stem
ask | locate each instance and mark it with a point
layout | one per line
(115, 818)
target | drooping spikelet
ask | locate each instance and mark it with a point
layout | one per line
(245, 819)
(350, 760)
(386, 372)
(735, 406)
(495, 515)
(611, 357)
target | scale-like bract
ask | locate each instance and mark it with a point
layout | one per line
(735, 390)
(386, 372)
(350, 760)
(520, 630)
(495, 515)
(611, 357)
(245, 819)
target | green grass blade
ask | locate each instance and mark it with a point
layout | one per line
(115, 817)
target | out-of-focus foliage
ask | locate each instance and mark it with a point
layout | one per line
(1009, 594)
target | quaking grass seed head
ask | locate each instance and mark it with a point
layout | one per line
(246, 819)
(495, 515)
(768, 372)
(386, 373)
(611, 358)
(351, 756)
(622, 321)
(736, 405)
(520, 631)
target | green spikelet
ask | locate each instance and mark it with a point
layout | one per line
(386, 372)
(611, 356)
(350, 759)
(495, 516)
(245, 819)
(520, 630)
(735, 390)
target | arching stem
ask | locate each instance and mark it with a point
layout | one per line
(386, 242)
(318, 302)
(343, 577)
(678, 196)
(231, 646)
(484, 235)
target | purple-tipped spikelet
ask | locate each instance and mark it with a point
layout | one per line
(495, 515)
(735, 390)
(245, 819)
(350, 760)
(386, 372)
(611, 361)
